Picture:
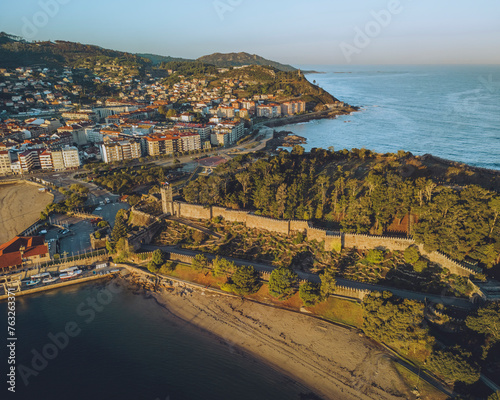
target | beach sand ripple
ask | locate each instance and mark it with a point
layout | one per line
(20, 207)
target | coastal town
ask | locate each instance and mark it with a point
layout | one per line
(44, 127)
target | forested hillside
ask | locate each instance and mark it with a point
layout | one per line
(362, 192)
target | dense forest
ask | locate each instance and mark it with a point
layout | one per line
(360, 192)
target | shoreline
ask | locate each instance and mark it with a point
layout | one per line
(332, 361)
(297, 119)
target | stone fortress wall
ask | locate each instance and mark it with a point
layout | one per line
(333, 240)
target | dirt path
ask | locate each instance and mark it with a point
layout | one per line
(20, 206)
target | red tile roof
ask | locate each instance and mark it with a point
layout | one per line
(10, 254)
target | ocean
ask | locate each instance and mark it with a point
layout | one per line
(452, 112)
(130, 348)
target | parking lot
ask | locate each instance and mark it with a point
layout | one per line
(72, 234)
(108, 211)
(71, 240)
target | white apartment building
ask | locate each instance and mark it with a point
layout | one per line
(234, 131)
(66, 158)
(120, 150)
(5, 163)
(188, 141)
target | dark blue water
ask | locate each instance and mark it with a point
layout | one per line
(131, 349)
(449, 111)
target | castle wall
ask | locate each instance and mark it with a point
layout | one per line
(193, 211)
(332, 240)
(181, 258)
(446, 262)
(316, 234)
(140, 218)
(351, 293)
(299, 226)
(144, 236)
(270, 224)
(230, 215)
(366, 242)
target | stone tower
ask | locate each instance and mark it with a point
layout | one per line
(167, 199)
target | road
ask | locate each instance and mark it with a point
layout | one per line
(488, 382)
(407, 294)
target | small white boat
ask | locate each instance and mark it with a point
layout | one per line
(40, 276)
(69, 275)
(70, 269)
(50, 279)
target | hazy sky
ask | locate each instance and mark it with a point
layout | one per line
(289, 31)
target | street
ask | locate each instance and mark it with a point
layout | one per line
(407, 294)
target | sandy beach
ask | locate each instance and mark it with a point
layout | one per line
(20, 207)
(332, 361)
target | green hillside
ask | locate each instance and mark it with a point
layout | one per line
(14, 53)
(268, 80)
(157, 59)
(241, 59)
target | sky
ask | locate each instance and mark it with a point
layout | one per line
(289, 31)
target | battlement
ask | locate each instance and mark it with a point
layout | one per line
(333, 240)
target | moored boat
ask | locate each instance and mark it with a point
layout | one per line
(33, 282)
(40, 276)
(70, 269)
(50, 279)
(70, 274)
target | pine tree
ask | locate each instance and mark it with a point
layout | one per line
(282, 282)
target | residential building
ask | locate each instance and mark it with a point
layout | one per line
(269, 110)
(5, 162)
(202, 129)
(219, 139)
(293, 107)
(30, 160)
(188, 141)
(158, 144)
(46, 160)
(233, 129)
(77, 131)
(119, 150)
(94, 135)
(57, 160)
(66, 158)
(86, 115)
(15, 166)
(226, 112)
(249, 105)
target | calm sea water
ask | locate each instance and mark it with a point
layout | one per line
(132, 349)
(449, 111)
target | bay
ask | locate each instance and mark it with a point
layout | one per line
(449, 111)
(131, 349)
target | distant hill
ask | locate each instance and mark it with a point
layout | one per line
(6, 38)
(157, 59)
(15, 52)
(240, 59)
